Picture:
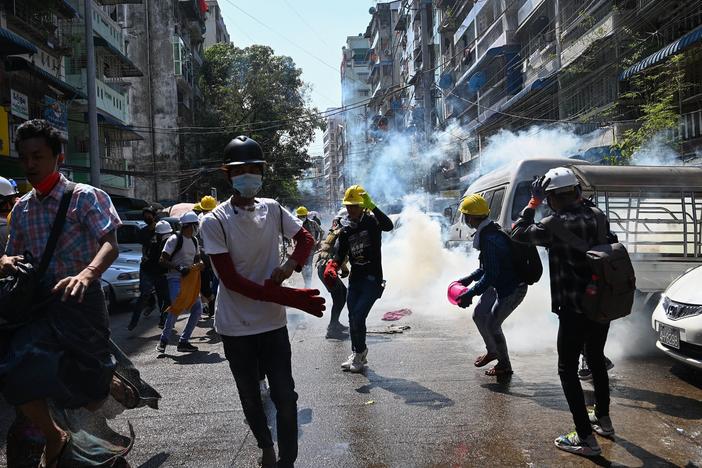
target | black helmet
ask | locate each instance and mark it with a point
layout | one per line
(149, 209)
(243, 150)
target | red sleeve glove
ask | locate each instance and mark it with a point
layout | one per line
(330, 273)
(534, 203)
(304, 242)
(307, 300)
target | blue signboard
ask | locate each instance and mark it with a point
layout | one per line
(56, 113)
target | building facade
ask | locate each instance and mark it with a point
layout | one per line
(215, 29)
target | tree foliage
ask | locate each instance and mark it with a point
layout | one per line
(251, 91)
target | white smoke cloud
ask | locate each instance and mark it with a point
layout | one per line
(657, 152)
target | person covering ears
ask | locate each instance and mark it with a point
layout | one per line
(570, 274)
(360, 241)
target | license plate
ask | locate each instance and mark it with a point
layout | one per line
(669, 336)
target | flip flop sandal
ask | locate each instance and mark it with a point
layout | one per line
(497, 371)
(485, 359)
(54, 462)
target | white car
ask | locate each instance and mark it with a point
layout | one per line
(121, 280)
(678, 319)
(128, 235)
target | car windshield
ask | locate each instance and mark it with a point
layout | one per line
(128, 234)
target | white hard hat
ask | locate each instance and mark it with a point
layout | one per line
(189, 218)
(561, 178)
(7, 188)
(163, 227)
(342, 212)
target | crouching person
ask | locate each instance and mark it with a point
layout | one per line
(241, 237)
(496, 282)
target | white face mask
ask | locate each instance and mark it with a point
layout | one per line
(248, 185)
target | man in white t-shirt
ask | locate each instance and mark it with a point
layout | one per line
(181, 254)
(241, 237)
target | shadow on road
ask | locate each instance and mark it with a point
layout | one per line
(198, 357)
(648, 458)
(156, 461)
(547, 395)
(412, 392)
(672, 405)
(687, 374)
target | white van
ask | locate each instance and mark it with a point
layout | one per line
(656, 211)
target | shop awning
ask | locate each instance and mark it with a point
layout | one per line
(673, 48)
(13, 44)
(13, 64)
(109, 123)
(537, 85)
(125, 66)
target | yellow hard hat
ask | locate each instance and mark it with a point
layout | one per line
(474, 205)
(197, 207)
(354, 195)
(208, 203)
(301, 211)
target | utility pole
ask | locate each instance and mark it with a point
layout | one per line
(427, 77)
(92, 95)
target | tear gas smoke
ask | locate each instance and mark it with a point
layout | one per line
(417, 266)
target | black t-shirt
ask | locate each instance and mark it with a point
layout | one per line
(152, 254)
(361, 243)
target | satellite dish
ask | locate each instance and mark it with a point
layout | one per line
(372, 10)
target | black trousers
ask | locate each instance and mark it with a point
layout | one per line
(574, 332)
(269, 353)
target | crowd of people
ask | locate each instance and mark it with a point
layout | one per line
(226, 258)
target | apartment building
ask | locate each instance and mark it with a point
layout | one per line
(333, 140)
(33, 44)
(215, 29)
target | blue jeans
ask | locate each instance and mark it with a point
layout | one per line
(195, 312)
(488, 316)
(363, 292)
(250, 356)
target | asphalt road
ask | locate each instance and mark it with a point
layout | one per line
(420, 402)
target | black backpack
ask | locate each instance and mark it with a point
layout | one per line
(610, 293)
(525, 257)
(179, 244)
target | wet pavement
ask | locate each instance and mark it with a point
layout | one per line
(420, 403)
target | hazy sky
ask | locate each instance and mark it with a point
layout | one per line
(312, 32)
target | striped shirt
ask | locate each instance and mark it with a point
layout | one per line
(90, 217)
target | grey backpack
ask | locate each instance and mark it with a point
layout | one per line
(610, 293)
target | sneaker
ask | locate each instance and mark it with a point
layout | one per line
(185, 347)
(359, 361)
(338, 326)
(602, 425)
(572, 443)
(161, 348)
(349, 360)
(584, 372)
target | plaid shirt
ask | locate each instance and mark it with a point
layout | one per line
(570, 272)
(90, 216)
